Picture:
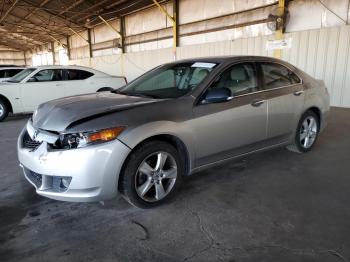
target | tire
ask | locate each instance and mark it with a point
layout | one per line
(143, 176)
(306, 133)
(4, 110)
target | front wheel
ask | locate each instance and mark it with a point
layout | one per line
(306, 133)
(152, 174)
(4, 111)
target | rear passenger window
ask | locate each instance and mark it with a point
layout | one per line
(276, 75)
(240, 79)
(2, 73)
(13, 72)
(75, 74)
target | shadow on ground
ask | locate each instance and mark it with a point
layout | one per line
(271, 206)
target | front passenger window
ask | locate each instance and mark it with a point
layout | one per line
(240, 79)
(49, 75)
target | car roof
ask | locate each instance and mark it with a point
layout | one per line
(12, 67)
(233, 58)
(2, 65)
(62, 67)
(96, 72)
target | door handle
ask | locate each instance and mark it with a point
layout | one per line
(257, 103)
(298, 93)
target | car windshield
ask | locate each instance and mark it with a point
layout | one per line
(169, 81)
(21, 75)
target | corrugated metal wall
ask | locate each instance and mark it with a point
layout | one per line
(11, 57)
(323, 53)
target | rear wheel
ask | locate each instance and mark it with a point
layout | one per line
(4, 110)
(152, 174)
(306, 133)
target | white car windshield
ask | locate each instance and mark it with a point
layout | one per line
(21, 75)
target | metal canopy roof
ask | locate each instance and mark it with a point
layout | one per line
(26, 24)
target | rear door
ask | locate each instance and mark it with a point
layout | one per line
(43, 86)
(223, 130)
(77, 82)
(285, 98)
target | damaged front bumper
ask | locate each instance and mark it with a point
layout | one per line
(80, 175)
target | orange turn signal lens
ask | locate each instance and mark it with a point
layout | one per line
(105, 135)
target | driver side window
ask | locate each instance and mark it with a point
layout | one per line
(48, 75)
(240, 79)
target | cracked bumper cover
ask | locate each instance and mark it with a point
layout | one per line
(94, 170)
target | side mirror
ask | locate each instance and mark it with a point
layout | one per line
(32, 79)
(217, 95)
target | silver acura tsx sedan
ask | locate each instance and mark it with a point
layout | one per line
(174, 120)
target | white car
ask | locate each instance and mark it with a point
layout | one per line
(36, 85)
(7, 72)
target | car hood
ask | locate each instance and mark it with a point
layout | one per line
(57, 115)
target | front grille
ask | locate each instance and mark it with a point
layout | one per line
(30, 143)
(57, 184)
(35, 178)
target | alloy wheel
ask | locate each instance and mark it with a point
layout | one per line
(308, 132)
(156, 176)
(2, 110)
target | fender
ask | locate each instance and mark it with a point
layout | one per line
(183, 132)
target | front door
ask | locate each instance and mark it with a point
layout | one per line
(226, 129)
(44, 86)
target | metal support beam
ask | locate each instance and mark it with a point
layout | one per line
(90, 43)
(36, 9)
(279, 32)
(53, 53)
(29, 23)
(76, 33)
(25, 58)
(173, 20)
(70, 7)
(11, 45)
(54, 38)
(68, 48)
(58, 19)
(110, 26)
(101, 2)
(8, 11)
(176, 16)
(123, 33)
(113, 29)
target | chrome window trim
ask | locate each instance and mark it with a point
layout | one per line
(259, 91)
(267, 90)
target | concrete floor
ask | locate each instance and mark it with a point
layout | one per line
(272, 206)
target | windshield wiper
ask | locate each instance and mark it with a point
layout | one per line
(136, 94)
(143, 95)
(116, 91)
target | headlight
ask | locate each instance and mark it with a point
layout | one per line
(77, 140)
